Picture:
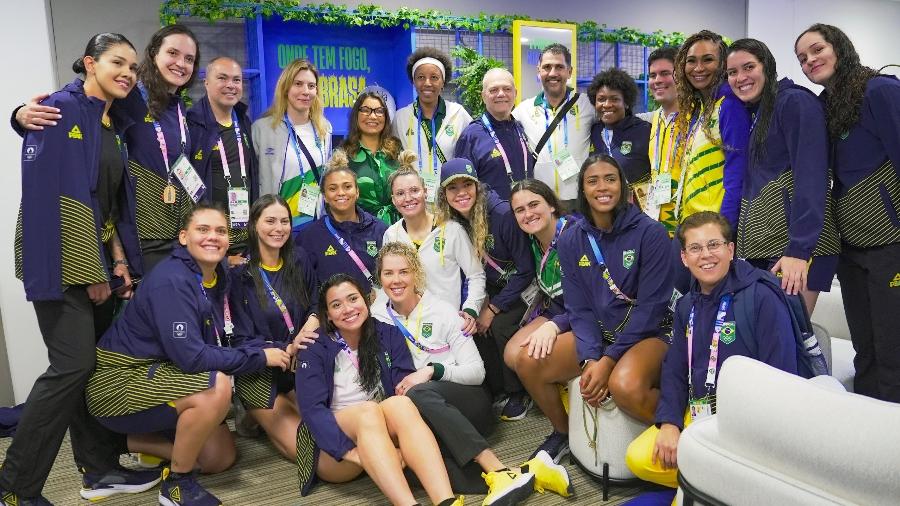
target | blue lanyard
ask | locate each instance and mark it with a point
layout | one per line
(607, 135)
(565, 122)
(214, 324)
(419, 134)
(559, 226)
(293, 140)
(343, 344)
(279, 302)
(487, 124)
(353, 256)
(713, 347)
(598, 255)
(673, 143)
(408, 335)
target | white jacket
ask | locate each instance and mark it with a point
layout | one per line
(407, 129)
(450, 243)
(435, 324)
(577, 125)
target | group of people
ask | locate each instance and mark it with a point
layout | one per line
(381, 305)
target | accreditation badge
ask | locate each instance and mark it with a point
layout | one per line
(188, 178)
(309, 199)
(565, 164)
(238, 207)
(700, 408)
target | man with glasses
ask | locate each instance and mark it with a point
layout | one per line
(496, 142)
(707, 330)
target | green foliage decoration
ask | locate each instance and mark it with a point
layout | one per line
(374, 15)
(471, 73)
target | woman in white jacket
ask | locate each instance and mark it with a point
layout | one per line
(444, 249)
(446, 387)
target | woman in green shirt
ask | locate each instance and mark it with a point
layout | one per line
(372, 152)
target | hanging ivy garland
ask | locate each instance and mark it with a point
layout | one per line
(373, 15)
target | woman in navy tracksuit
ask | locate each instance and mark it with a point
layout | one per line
(862, 110)
(163, 365)
(346, 381)
(67, 249)
(273, 299)
(347, 238)
(787, 219)
(705, 318)
(619, 133)
(618, 285)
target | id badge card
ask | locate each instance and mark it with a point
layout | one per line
(700, 408)
(661, 189)
(188, 178)
(309, 199)
(565, 164)
(529, 293)
(239, 207)
(642, 195)
(431, 184)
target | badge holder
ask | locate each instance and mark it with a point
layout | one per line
(188, 178)
(239, 207)
(309, 199)
(565, 164)
(431, 185)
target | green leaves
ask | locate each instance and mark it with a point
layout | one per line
(374, 15)
(470, 76)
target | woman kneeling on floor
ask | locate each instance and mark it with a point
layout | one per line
(345, 389)
(162, 370)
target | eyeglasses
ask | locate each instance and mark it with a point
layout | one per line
(713, 246)
(368, 111)
(413, 192)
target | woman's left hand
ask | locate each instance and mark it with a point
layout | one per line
(540, 342)
(793, 274)
(301, 340)
(125, 291)
(469, 323)
(421, 376)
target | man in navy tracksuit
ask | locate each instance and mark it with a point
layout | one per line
(495, 142)
(212, 120)
(328, 257)
(509, 250)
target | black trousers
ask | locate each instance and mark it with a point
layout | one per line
(461, 418)
(70, 328)
(870, 286)
(500, 379)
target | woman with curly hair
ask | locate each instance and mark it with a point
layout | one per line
(430, 125)
(787, 222)
(619, 133)
(443, 246)
(862, 111)
(372, 152)
(293, 142)
(714, 129)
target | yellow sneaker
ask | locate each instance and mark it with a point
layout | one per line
(548, 476)
(507, 487)
(146, 461)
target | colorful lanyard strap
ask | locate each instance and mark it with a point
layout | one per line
(662, 126)
(692, 130)
(560, 224)
(487, 125)
(606, 276)
(493, 263)
(340, 340)
(160, 137)
(607, 135)
(353, 256)
(294, 140)
(279, 302)
(713, 347)
(565, 125)
(240, 146)
(422, 126)
(413, 340)
(227, 312)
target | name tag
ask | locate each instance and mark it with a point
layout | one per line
(661, 190)
(529, 293)
(239, 207)
(309, 199)
(700, 408)
(188, 178)
(431, 184)
(565, 164)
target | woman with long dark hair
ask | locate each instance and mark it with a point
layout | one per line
(352, 420)
(273, 303)
(68, 253)
(862, 112)
(787, 221)
(373, 153)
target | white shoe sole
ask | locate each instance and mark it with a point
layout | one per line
(522, 488)
(99, 494)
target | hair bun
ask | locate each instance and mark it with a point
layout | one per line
(406, 159)
(78, 66)
(338, 160)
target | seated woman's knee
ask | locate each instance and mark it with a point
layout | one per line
(398, 404)
(218, 453)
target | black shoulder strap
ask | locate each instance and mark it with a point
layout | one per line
(308, 155)
(553, 124)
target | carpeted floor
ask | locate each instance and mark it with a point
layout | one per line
(262, 478)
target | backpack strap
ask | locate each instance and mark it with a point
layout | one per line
(553, 124)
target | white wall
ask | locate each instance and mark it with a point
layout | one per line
(28, 35)
(871, 25)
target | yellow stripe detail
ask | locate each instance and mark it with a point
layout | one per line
(80, 252)
(156, 219)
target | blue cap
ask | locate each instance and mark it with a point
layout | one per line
(457, 168)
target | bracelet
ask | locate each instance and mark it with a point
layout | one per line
(495, 311)
(120, 262)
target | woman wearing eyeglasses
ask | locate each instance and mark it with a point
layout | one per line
(372, 152)
(705, 321)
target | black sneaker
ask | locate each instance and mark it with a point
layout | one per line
(8, 498)
(556, 445)
(95, 486)
(516, 407)
(184, 490)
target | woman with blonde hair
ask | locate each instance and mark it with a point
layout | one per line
(293, 141)
(443, 246)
